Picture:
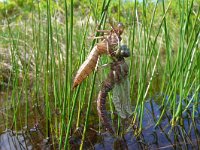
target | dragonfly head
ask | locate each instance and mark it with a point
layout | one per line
(121, 52)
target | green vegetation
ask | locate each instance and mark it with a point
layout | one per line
(43, 43)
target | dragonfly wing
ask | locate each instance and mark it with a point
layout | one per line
(117, 101)
(126, 98)
(121, 98)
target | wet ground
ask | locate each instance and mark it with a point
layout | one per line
(186, 136)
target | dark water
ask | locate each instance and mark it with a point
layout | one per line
(10, 141)
(186, 136)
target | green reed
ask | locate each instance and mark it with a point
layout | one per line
(179, 73)
(150, 60)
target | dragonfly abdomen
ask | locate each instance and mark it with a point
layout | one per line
(101, 105)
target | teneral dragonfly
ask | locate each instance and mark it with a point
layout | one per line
(110, 40)
(117, 81)
(118, 77)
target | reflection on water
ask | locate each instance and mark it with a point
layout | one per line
(186, 136)
(11, 141)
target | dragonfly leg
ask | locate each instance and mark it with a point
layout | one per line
(104, 31)
(108, 47)
(97, 37)
(105, 65)
(99, 67)
(96, 67)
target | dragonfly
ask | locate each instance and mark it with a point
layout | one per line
(117, 80)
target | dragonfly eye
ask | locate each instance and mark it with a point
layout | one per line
(124, 51)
